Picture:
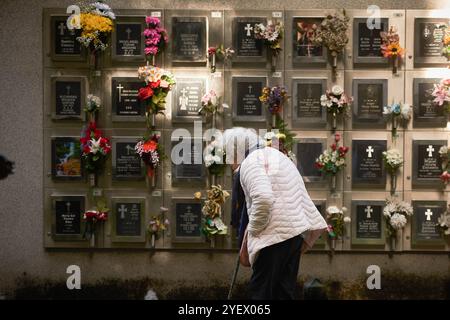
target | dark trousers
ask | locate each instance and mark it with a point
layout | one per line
(275, 271)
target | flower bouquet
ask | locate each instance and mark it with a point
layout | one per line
(274, 98)
(396, 213)
(446, 42)
(212, 223)
(279, 142)
(393, 160)
(390, 47)
(96, 22)
(331, 161)
(155, 38)
(441, 94)
(92, 218)
(95, 151)
(93, 104)
(159, 82)
(332, 34)
(397, 111)
(336, 102)
(336, 221)
(444, 153)
(151, 152)
(212, 105)
(272, 34)
(444, 222)
(218, 53)
(214, 157)
(157, 225)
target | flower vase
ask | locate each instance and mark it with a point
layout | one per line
(92, 179)
(334, 124)
(213, 242)
(92, 240)
(333, 243)
(151, 177)
(213, 120)
(153, 238)
(334, 61)
(392, 243)
(213, 63)
(153, 120)
(94, 63)
(393, 183)
(394, 127)
(394, 64)
(213, 179)
(153, 60)
(273, 64)
(274, 121)
(333, 182)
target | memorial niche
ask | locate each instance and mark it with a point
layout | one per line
(189, 39)
(370, 98)
(128, 220)
(67, 217)
(128, 40)
(427, 163)
(426, 111)
(308, 151)
(191, 168)
(66, 159)
(307, 108)
(125, 102)
(65, 46)
(247, 106)
(247, 46)
(367, 42)
(187, 98)
(367, 163)
(188, 219)
(127, 164)
(424, 231)
(303, 49)
(428, 44)
(368, 228)
(67, 98)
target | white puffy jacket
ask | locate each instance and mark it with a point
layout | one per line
(278, 205)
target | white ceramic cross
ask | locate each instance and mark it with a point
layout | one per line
(430, 150)
(61, 28)
(428, 213)
(122, 211)
(369, 151)
(248, 28)
(120, 87)
(368, 210)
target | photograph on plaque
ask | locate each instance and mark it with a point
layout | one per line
(190, 38)
(307, 108)
(367, 163)
(68, 98)
(304, 51)
(125, 102)
(66, 159)
(246, 104)
(191, 167)
(426, 111)
(370, 97)
(308, 150)
(128, 219)
(128, 39)
(428, 44)
(427, 163)
(65, 46)
(244, 41)
(126, 163)
(67, 217)
(188, 221)
(423, 227)
(367, 41)
(368, 225)
(187, 99)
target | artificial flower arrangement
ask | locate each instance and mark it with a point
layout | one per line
(212, 223)
(156, 38)
(93, 104)
(92, 218)
(271, 34)
(96, 22)
(274, 98)
(330, 162)
(396, 213)
(336, 221)
(158, 82)
(336, 102)
(212, 105)
(390, 47)
(282, 142)
(444, 153)
(214, 157)
(441, 94)
(306, 33)
(443, 224)
(218, 53)
(95, 149)
(393, 161)
(157, 225)
(332, 34)
(151, 152)
(446, 42)
(396, 112)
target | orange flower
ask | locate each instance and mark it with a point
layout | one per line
(149, 146)
(447, 40)
(393, 50)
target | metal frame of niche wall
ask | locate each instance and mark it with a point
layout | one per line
(307, 71)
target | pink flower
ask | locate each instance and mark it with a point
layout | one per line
(445, 82)
(337, 137)
(151, 50)
(153, 21)
(164, 84)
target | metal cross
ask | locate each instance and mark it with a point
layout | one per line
(369, 151)
(430, 150)
(129, 149)
(120, 87)
(248, 28)
(368, 210)
(128, 31)
(250, 88)
(122, 211)
(61, 28)
(428, 213)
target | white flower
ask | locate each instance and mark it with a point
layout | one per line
(91, 99)
(390, 208)
(216, 159)
(387, 111)
(269, 135)
(347, 219)
(333, 210)
(406, 111)
(94, 145)
(443, 150)
(344, 209)
(337, 90)
(398, 221)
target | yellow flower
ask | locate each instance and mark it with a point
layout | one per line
(90, 23)
(198, 195)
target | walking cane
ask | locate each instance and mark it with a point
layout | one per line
(233, 279)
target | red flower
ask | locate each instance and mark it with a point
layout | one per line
(337, 137)
(149, 145)
(86, 149)
(84, 140)
(211, 51)
(333, 147)
(155, 85)
(145, 93)
(318, 165)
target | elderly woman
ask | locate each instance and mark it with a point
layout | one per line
(283, 221)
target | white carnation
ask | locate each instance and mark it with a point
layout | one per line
(398, 221)
(337, 90)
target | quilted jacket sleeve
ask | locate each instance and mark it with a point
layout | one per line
(258, 189)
